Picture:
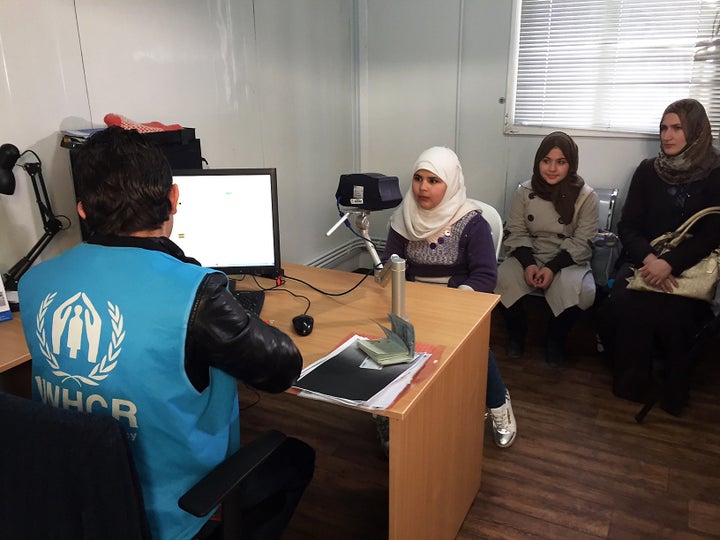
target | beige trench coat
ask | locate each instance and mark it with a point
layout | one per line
(534, 223)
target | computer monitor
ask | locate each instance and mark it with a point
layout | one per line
(228, 219)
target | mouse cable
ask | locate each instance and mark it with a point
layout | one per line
(278, 288)
(256, 394)
(307, 308)
(316, 289)
(326, 293)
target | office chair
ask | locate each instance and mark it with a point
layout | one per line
(493, 218)
(70, 475)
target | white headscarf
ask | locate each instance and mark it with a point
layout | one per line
(416, 223)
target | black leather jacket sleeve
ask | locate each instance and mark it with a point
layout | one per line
(222, 334)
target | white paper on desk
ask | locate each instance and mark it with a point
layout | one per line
(382, 399)
(386, 397)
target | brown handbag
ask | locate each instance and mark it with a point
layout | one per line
(698, 281)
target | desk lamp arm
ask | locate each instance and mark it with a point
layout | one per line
(51, 224)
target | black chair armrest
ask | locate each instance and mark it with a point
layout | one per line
(214, 487)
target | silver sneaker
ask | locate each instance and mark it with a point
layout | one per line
(503, 422)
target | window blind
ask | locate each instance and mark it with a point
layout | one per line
(611, 65)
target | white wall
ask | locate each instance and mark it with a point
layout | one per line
(437, 74)
(177, 62)
(411, 85)
(41, 91)
(306, 73)
(264, 83)
(316, 88)
(483, 149)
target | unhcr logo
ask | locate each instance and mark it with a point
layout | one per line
(75, 338)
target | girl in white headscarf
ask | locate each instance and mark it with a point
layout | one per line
(443, 234)
(444, 239)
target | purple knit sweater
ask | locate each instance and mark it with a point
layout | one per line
(466, 255)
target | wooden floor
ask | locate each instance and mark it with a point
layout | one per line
(581, 466)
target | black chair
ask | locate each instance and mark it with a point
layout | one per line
(218, 485)
(70, 475)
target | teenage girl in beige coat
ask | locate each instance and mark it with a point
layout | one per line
(552, 223)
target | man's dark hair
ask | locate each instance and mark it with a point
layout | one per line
(123, 182)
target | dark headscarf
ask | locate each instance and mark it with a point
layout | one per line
(563, 194)
(699, 156)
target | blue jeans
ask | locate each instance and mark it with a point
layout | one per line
(495, 393)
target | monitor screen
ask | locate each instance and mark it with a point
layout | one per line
(228, 219)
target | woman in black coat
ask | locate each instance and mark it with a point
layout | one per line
(651, 332)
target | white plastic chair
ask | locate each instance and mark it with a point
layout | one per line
(493, 218)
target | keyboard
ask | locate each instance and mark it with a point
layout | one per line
(250, 300)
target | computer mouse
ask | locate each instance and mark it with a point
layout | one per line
(303, 324)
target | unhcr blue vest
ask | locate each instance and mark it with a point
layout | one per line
(106, 328)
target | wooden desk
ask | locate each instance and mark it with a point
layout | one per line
(15, 369)
(437, 426)
(13, 349)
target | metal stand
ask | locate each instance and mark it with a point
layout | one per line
(362, 222)
(396, 266)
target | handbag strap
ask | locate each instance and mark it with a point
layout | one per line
(674, 238)
(578, 205)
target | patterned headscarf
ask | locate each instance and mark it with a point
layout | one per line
(563, 194)
(416, 223)
(699, 156)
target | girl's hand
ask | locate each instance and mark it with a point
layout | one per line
(544, 278)
(531, 275)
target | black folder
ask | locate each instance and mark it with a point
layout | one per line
(341, 376)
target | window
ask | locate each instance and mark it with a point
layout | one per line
(611, 66)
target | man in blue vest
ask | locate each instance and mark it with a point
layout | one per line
(126, 325)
